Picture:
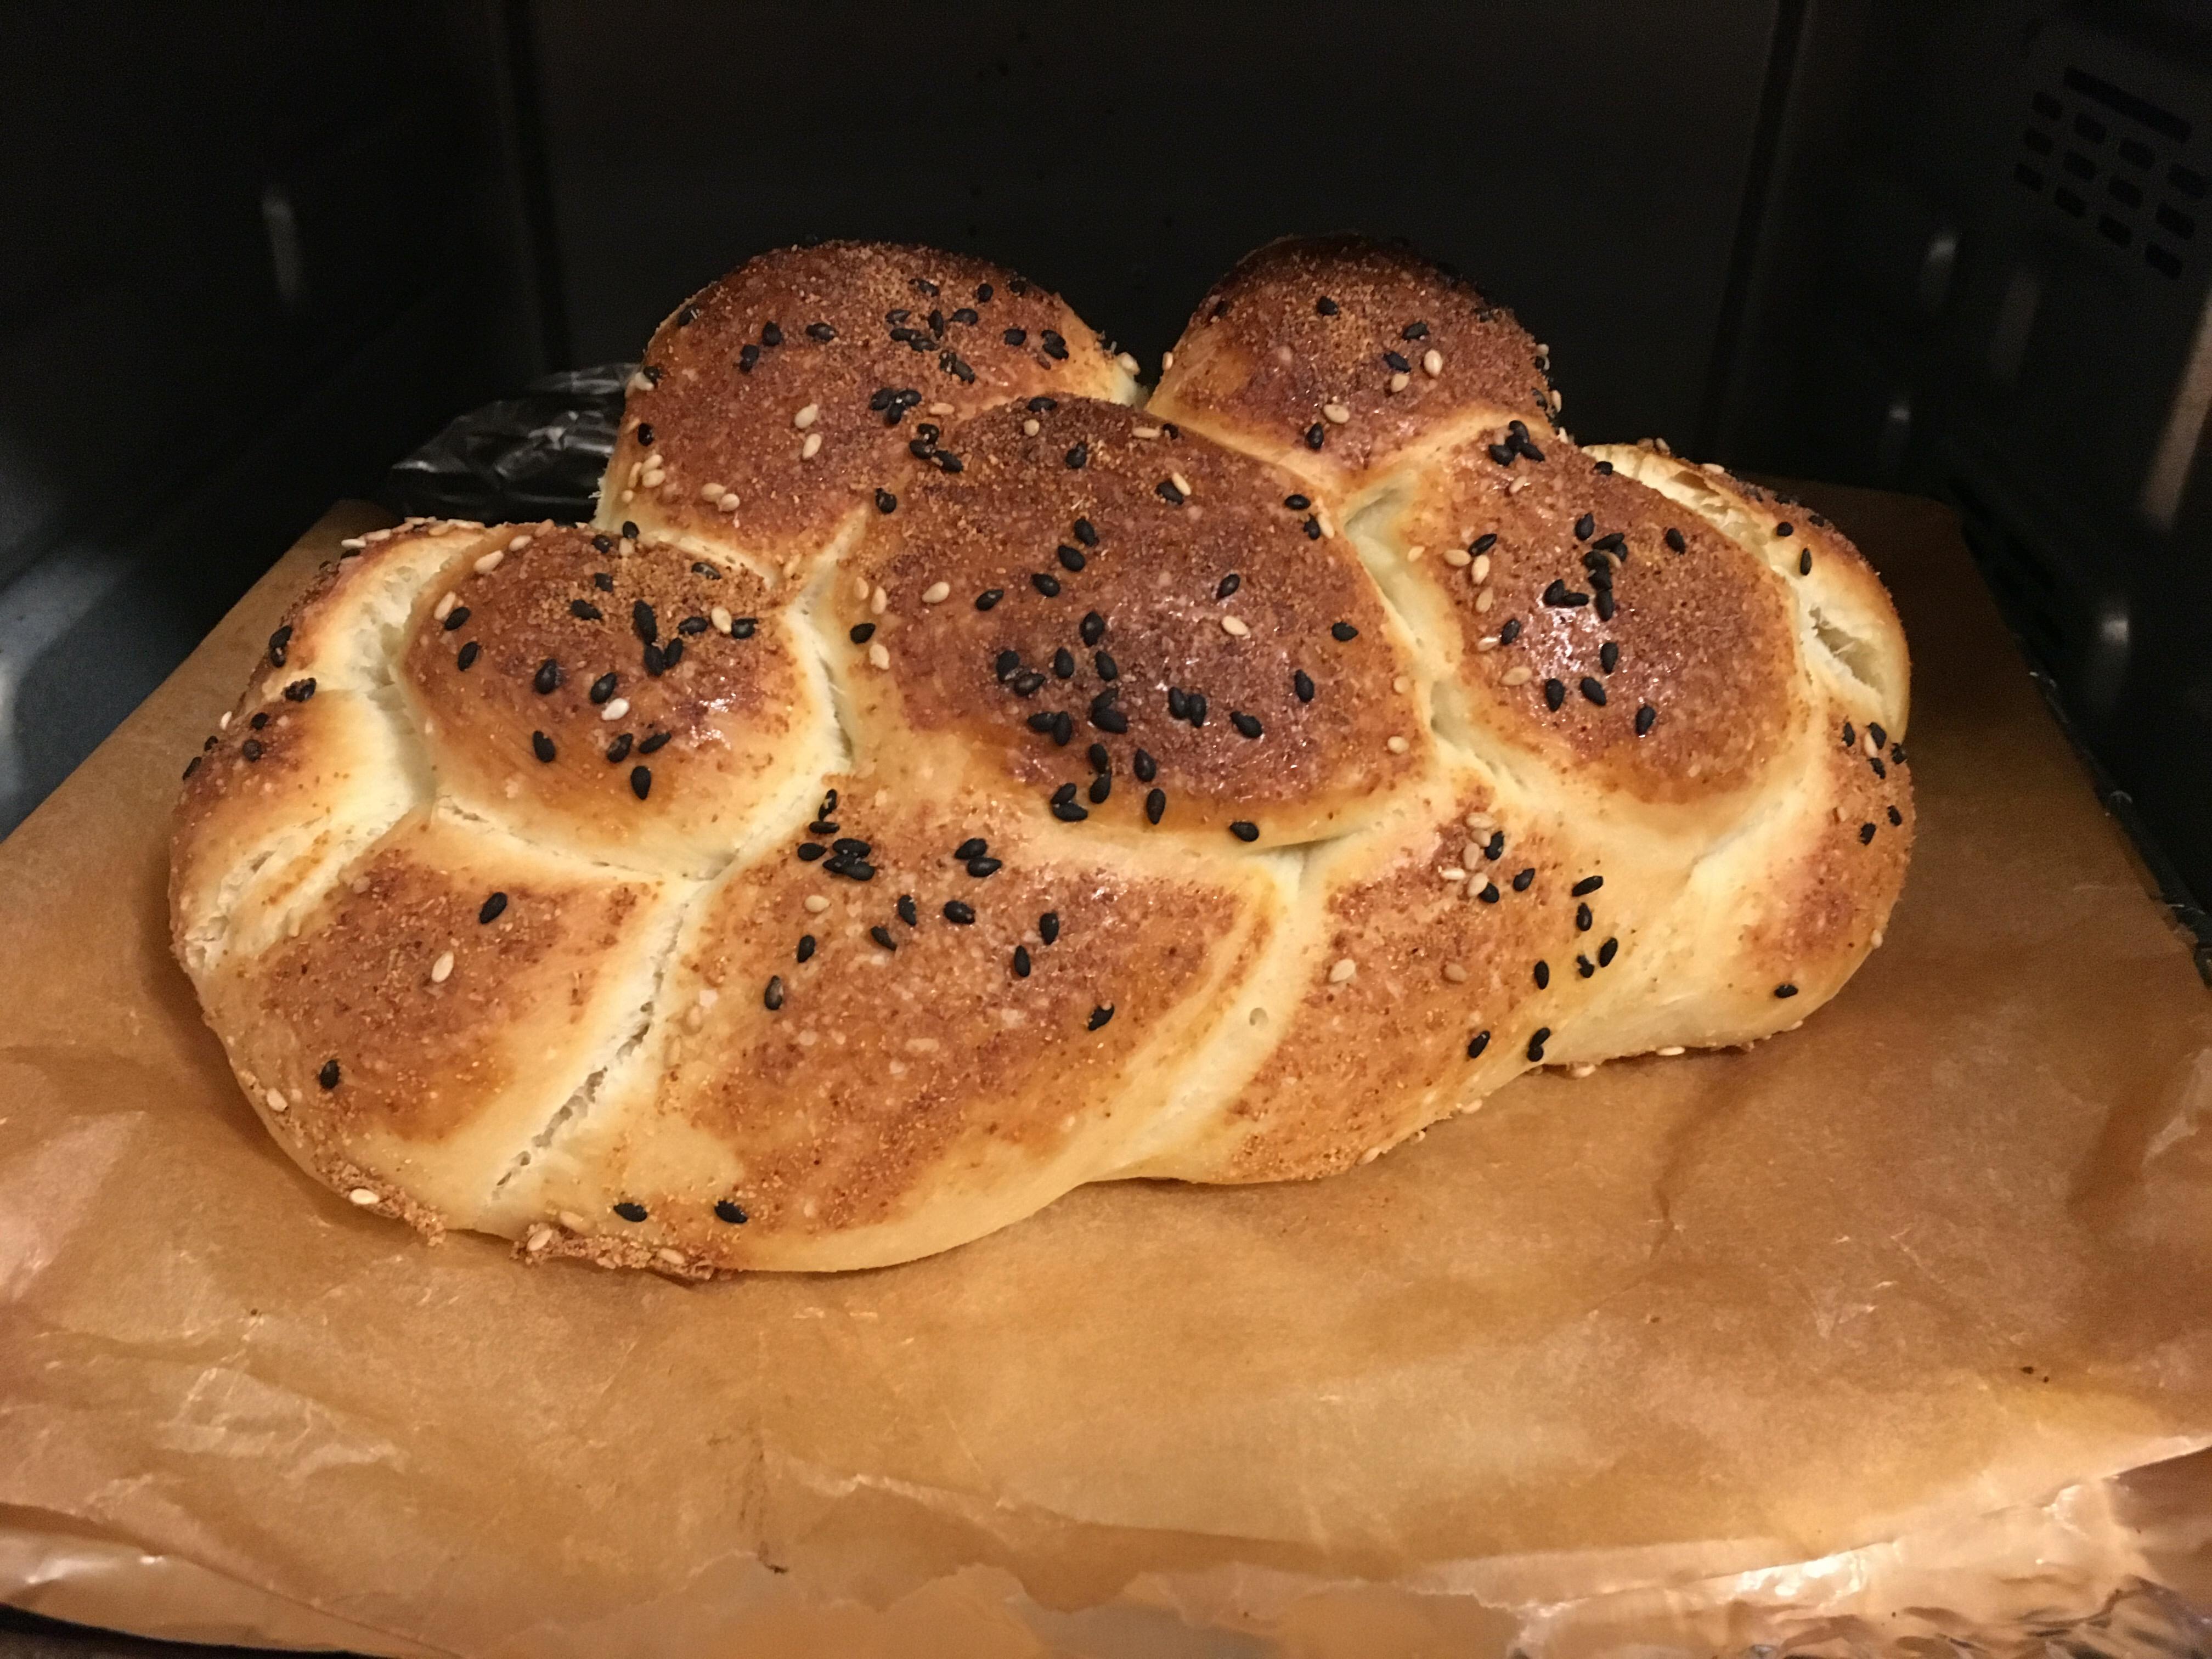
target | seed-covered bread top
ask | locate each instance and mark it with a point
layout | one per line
(1033, 789)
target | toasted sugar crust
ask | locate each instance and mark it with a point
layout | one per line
(546, 697)
(1264, 366)
(716, 404)
(1159, 525)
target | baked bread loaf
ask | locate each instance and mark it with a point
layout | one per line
(941, 776)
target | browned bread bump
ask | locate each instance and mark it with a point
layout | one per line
(826, 878)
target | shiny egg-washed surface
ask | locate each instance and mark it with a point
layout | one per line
(938, 779)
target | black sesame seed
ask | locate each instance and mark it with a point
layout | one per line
(1646, 717)
(1608, 656)
(1875, 731)
(1107, 668)
(1312, 528)
(627, 1210)
(852, 847)
(1805, 562)
(541, 746)
(981, 867)
(278, 643)
(862, 633)
(1675, 542)
(732, 1213)
(1583, 918)
(989, 597)
(1587, 885)
(618, 751)
(640, 781)
(1100, 1015)
(1316, 435)
(603, 688)
(1510, 632)
(1594, 690)
(1896, 816)
(1585, 527)
(1042, 405)
(1077, 455)
(820, 331)
(1536, 1042)
(882, 936)
(630, 530)
(1246, 724)
(259, 721)
(1343, 632)
(1245, 830)
(1228, 585)
(1555, 695)
(1476, 1044)
(1169, 491)
(467, 658)
(692, 627)
(456, 617)
(328, 1077)
(1543, 975)
(1605, 468)
(1048, 926)
(747, 356)
(1063, 663)
(491, 909)
(1063, 728)
(1584, 966)
(1046, 583)
(1866, 833)
(772, 997)
(1041, 720)
(1613, 542)
(1055, 347)
(1196, 703)
(1503, 454)
(642, 619)
(1145, 766)
(1397, 361)
(1070, 558)
(1014, 337)
(1607, 951)
(1489, 894)
(603, 580)
(1021, 961)
(1099, 759)
(1523, 877)
(192, 765)
(655, 663)
(742, 628)
(1785, 528)
(974, 847)
(1325, 306)
(1155, 802)
(906, 913)
(1301, 685)
(1100, 787)
(1495, 847)
(805, 950)
(1297, 503)
(1064, 794)
(584, 610)
(547, 678)
(1086, 532)
(1880, 770)
(771, 335)
(885, 502)
(1093, 629)
(1414, 331)
(959, 914)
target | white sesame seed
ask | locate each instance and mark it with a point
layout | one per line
(812, 448)
(223, 725)
(353, 543)
(519, 543)
(616, 708)
(1671, 1050)
(1370, 1155)
(1129, 364)
(1400, 382)
(1481, 571)
(1166, 362)
(710, 492)
(1234, 627)
(1335, 414)
(1402, 684)
(729, 502)
(1558, 400)
(879, 601)
(1342, 970)
(1031, 428)
(573, 1222)
(490, 561)
(816, 904)
(1487, 642)
(720, 615)
(1877, 938)
(1413, 554)
(805, 417)
(1283, 355)
(1482, 600)
(277, 1101)
(1144, 431)
(1328, 525)
(1452, 873)
(540, 1238)
(1397, 745)
(1481, 823)
(1868, 746)
(1472, 852)
(877, 656)
(363, 1196)
(629, 495)
(940, 408)
(445, 606)
(672, 1258)
(1432, 362)
(1180, 483)
(637, 469)
(1454, 973)
(653, 462)
(441, 967)
(1458, 557)
(937, 592)
(1583, 1070)
(1517, 486)
(639, 383)
(1520, 676)
(860, 588)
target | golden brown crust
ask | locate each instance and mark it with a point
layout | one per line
(1136, 544)
(1339, 359)
(1382, 844)
(877, 340)
(546, 697)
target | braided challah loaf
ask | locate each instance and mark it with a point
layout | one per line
(940, 779)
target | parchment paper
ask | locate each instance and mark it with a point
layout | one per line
(1946, 1249)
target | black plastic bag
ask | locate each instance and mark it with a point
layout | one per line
(537, 455)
